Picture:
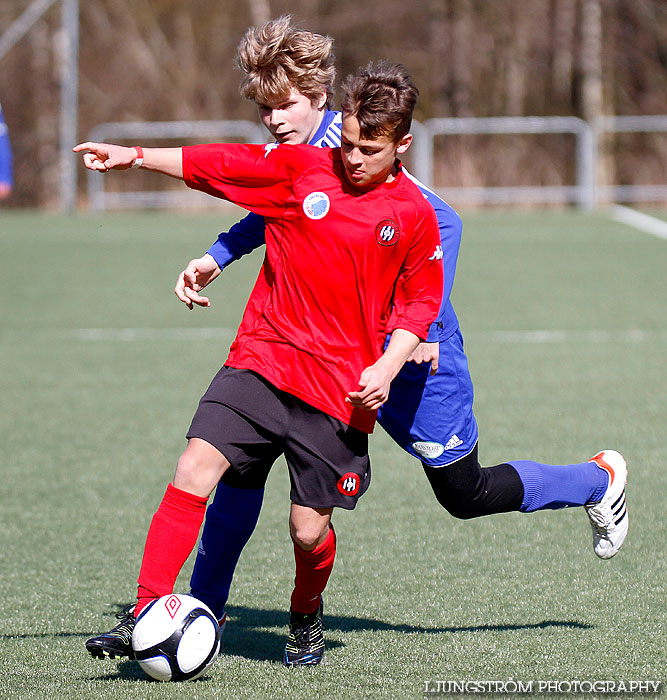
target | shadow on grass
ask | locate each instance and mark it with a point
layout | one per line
(259, 635)
(246, 636)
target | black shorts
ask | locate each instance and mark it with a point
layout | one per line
(252, 423)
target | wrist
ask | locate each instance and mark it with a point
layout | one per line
(139, 159)
(389, 365)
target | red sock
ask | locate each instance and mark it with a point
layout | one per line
(312, 573)
(171, 537)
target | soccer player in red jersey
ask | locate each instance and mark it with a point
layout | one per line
(289, 74)
(306, 372)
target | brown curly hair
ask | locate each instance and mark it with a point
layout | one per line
(382, 97)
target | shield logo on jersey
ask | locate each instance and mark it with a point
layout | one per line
(348, 484)
(316, 205)
(387, 232)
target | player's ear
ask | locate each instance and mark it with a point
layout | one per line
(403, 145)
(321, 100)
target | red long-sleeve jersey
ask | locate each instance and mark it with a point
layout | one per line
(320, 309)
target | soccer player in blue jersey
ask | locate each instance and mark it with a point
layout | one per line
(430, 408)
(6, 178)
(289, 73)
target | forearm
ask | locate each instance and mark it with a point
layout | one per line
(375, 381)
(401, 346)
(242, 238)
(106, 156)
(168, 161)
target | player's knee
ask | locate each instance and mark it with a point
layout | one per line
(199, 469)
(466, 490)
(307, 535)
(457, 487)
(457, 502)
(463, 508)
(187, 465)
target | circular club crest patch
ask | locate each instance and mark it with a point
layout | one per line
(316, 205)
(348, 484)
(387, 232)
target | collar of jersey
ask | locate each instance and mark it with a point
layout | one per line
(327, 119)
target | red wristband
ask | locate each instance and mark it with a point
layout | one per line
(139, 160)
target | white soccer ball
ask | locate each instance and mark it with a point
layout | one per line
(176, 638)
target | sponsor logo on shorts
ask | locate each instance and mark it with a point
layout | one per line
(316, 205)
(430, 450)
(348, 484)
(387, 232)
(173, 603)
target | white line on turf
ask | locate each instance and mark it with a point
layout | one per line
(139, 334)
(531, 337)
(541, 337)
(640, 221)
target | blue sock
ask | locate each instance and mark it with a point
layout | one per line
(555, 486)
(230, 520)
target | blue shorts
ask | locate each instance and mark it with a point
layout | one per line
(431, 417)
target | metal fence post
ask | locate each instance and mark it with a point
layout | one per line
(69, 103)
(422, 161)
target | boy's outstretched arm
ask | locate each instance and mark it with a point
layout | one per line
(107, 156)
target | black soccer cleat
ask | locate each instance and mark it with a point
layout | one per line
(117, 642)
(305, 642)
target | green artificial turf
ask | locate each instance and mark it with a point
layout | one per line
(101, 372)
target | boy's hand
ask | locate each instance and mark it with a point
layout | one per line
(374, 385)
(375, 381)
(427, 352)
(105, 156)
(198, 274)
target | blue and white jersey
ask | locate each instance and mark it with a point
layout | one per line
(451, 227)
(248, 234)
(328, 134)
(5, 152)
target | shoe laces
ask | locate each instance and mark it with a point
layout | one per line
(126, 625)
(601, 532)
(302, 635)
(601, 517)
(126, 612)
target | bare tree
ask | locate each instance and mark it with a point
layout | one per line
(260, 12)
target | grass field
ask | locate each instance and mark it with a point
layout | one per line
(102, 369)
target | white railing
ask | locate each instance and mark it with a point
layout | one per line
(581, 192)
(584, 191)
(656, 123)
(204, 131)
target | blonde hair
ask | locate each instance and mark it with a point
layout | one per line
(277, 57)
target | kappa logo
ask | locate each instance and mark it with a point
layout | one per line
(437, 253)
(348, 484)
(429, 450)
(387, 232)
(172, 604)
(316, 205)
(270, 147)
